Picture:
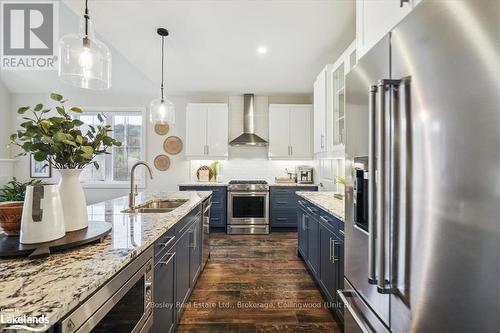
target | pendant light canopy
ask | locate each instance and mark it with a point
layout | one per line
(85, 61)
(162, 110)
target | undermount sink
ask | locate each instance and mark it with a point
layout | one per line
(157, 206)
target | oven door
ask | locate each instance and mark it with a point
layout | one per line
(122, 305)
(248, 208)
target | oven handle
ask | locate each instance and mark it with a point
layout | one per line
(249, 194)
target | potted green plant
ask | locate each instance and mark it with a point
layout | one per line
(61, 140)
(11, 205)
(340, 180)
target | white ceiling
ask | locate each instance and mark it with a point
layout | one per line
(213, 45)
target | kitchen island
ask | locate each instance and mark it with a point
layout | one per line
(55, 286)
(326, 201)
(321, 243)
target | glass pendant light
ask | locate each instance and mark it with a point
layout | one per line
(162, 111)
(85, 61)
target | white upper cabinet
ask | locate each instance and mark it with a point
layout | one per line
(374, 19)
(207, 130)
(290, 131)
(320, 109)
(336, 113)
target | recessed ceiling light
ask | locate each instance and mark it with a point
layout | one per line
(262, 50)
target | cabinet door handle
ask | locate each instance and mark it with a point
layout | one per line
(401, 2)
(333, 244)
(193, 239)
(170, 257)
(282, 202)
(330, 248)
(282, 219)
(324, 219)
(291, 150)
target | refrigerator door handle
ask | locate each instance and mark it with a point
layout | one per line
(372, 230)
(385, 201)
(381, 185)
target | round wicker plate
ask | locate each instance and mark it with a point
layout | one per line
(173, 145)
(161, 129)
(162, 162)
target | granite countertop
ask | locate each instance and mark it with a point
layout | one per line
(326, 201)
(54, 286)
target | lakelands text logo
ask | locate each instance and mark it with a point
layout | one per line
(23, 323)
(29, 34)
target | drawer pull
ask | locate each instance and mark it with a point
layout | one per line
(167, 243)
(171, 256)
(324, 219)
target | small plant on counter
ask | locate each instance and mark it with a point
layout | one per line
(15, 190)
(61, 140)
(214, 166)
(340, 180)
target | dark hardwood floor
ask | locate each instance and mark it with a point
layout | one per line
(256, 284)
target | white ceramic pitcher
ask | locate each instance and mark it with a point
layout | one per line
(42, 219)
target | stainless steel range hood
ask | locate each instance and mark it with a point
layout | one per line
(248, 138)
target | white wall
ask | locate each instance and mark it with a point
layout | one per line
(261, 169)
(180, 170)
(6, 163)
(6, 116)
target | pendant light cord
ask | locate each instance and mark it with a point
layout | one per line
(87, 17)
(162, 67)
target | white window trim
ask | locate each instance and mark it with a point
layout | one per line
(118, 184)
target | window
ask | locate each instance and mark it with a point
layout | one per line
(127, 126)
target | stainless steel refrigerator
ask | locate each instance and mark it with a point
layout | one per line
(423, 174)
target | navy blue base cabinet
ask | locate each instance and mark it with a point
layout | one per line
(218, 212)
(177, 258)
(321, 245)
(283, 204)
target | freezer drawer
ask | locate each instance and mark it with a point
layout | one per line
(358, 317)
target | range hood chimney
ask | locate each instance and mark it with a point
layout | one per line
(248, 138)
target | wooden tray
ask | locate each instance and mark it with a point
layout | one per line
(95, 232)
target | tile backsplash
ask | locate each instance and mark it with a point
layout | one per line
(251, 169)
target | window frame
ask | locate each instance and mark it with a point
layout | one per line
(117, 111)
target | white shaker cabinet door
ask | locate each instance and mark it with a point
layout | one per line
(196, 130)
(279, 131)
(217, 130)
(320, 94)
(374, 19)
(300, 131)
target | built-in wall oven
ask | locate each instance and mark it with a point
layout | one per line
(123, 304)
(248, 207)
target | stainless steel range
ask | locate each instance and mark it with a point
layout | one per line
(248, 207)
